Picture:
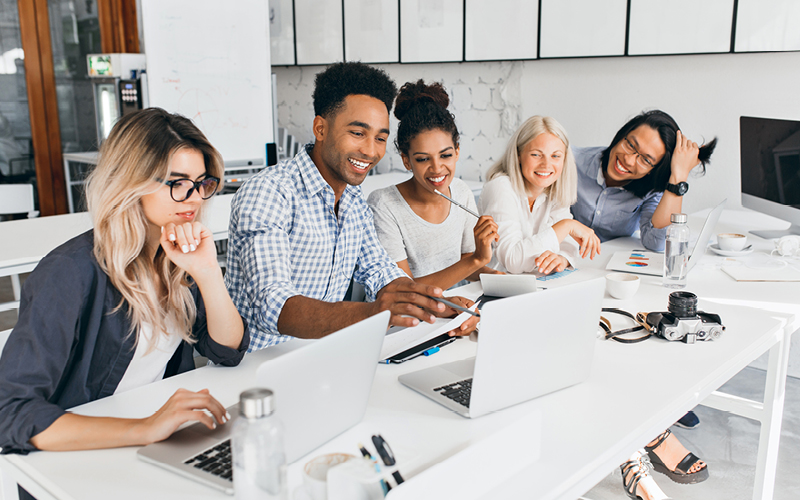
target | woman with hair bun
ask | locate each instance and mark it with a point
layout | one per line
(124, 304)
(433, 241)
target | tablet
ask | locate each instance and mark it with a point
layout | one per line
(507, 285)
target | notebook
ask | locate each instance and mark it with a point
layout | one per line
(529, 345)
(652, 263)
(317, 397)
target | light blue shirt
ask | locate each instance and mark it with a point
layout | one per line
(613, 212)
(285, 239)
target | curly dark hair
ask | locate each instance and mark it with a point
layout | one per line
(340, 80)
(667, 128)
(421, 107)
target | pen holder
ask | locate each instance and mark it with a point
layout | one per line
(357, 480)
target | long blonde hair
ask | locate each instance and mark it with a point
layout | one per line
(136, 154)
(564, 190)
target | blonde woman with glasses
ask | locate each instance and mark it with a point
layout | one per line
(528, 193)
(123, 305)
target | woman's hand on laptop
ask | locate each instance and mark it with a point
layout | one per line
(184, 406)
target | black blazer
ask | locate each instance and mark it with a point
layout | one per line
(70, 347)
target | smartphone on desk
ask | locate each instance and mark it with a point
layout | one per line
(424, 349)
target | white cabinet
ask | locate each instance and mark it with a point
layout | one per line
(431, 30)
(500, 30)
(371, 31)
(680, 26)
(319, 31)
(583, 28)
(768, 25)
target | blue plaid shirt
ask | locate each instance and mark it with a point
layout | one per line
(285, 239)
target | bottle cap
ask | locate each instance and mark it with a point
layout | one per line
(256, 403)
(678, 218)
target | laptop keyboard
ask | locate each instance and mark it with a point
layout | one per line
(215, 460)
(458, 391)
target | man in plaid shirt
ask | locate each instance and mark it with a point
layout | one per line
(300, 230)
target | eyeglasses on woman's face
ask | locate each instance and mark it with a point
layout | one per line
(641, 160)
(182, 189)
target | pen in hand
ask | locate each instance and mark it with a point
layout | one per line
(454, 202)
(455, 306)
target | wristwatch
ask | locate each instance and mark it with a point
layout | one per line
(679, 189)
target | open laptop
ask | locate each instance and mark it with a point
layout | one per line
(529, 345)
(320, 390)
(652, 263)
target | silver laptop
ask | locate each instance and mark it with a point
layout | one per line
(318, 396)
(652, 263)
(507, 285)
(529, 345)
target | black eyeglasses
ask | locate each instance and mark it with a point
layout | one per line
(630, 149)
(182, 189)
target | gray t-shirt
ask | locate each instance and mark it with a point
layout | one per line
(428, 247)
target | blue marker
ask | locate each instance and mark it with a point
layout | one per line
(432, 350)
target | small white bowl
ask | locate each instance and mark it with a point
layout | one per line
(731, 242)
(622, 285)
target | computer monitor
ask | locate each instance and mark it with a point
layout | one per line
(770, 166)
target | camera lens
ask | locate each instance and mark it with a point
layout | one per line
(683, 304)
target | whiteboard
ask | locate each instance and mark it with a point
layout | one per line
(431, 30)
(319, 31)
(500, 30)
(583, 28)
(213, 69)
(767, 25)
(281, 32)
(371, 30)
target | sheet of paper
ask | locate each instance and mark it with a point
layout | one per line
(637, 261)
(399, 339)
(744, 273)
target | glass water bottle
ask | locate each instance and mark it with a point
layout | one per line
(259, 461)
(676, 252)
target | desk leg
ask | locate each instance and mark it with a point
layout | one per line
(772, 417)
(8, 487)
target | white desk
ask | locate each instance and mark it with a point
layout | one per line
(582, 433)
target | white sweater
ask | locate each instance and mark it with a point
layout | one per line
(524, 234)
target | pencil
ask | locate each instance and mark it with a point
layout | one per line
(454, 202)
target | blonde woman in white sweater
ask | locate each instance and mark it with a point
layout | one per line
(528, 193)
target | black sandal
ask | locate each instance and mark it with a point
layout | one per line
(681, 473)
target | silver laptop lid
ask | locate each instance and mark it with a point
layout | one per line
(535, 344)
(507, 285)
(705, 234)
(322, 389)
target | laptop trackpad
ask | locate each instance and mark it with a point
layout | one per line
(462, 369)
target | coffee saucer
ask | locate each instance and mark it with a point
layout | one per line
(731, 253)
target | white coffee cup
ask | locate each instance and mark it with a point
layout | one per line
(355, 480)
(731, 242)
(622, 285)
(315, 473)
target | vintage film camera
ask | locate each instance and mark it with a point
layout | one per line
(683, 321)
